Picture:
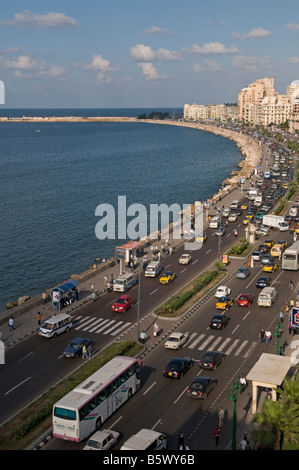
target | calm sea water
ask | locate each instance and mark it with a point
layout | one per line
(53, 180)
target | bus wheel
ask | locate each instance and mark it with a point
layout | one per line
(98, 424)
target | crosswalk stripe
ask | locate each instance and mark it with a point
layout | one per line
(241, 347)
(224, 344)
(120, 329)
(203, 345)
(105, 326)
(113, 327)
(213, 345)
(95, 325)
(196, 341)
(232, 346)
(85, 322)
(190, 338)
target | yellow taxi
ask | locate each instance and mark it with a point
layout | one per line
(202, 239)
(247, 219)
(276, 250)
(167, 277)
(224, 303)
(283, 243)
(244, 206)
(269, 243)
(270, 268)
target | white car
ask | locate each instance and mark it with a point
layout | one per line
(102, 440)
(226, 213)
(176, 341)
(233, 217)
(263, 231)
(222, 291)
(185, 259)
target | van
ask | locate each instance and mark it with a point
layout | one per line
(267, 297)
(124, 282)
(252, 193)
(146, 439)
(153, 269)
(55, 325)
(214, 222)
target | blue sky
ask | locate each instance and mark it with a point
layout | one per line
(133, 53)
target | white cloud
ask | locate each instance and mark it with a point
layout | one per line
(149, 71)
(49, 20)
(24, 66)
(213, 48)
(294, 60)
(143, 53)
(293, 26)
(156, 30)
(254, 33)
(253, 63)
(102, 66)
(208, 66)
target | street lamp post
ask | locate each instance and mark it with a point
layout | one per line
(277, 333)
(233, 397)
(138, 304)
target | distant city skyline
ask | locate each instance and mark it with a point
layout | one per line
(116, 54)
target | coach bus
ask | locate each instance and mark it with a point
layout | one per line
(290, 257)
(83, 410)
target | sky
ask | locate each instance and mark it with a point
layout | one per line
(135, 53)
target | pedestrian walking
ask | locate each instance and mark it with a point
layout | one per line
(281, 317)
(38, 318)
(84, 352)
(11, 324)
(262, 335)
(89, 350)
(143, 337)
(268, 336)
(105, 281)
(108, 286)
(221, 417)
(217, 434)
(290, 327)
(93, 296)
(243, 443)
(291, 284)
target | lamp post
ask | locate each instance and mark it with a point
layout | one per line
(233, 397)
(277, 333)
(138, 304)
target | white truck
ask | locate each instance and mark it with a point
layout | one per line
(258, 201)
(275, 221)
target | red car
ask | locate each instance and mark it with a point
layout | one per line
(244, 300)
(122, 304)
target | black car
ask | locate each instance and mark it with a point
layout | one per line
(211, 360)
(263, 248)
(239, 211)
(201, 387)
(263, 281)
(219, 321)
(267, 259)
(178, 367)
(74, 348)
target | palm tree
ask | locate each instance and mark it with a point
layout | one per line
(279, 420)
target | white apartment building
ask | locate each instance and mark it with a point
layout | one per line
(197, 112)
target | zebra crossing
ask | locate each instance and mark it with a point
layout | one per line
(212, 342)
(99, 325)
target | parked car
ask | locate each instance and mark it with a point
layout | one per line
(245, 300)
(211, 360)
(201, 387)
(167, 277)
(219, 321)
(102, 440)
(224, 303)
(222, 291)
(243, 273)
(263, 281)
(185, 258)
(176, 341)
(74, 348)
(122, 304)
(177, 367)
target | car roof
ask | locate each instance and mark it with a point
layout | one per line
(176, 335)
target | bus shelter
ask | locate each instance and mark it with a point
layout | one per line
(268, 372)
(65, 294)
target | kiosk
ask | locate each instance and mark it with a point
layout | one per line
(65, 294)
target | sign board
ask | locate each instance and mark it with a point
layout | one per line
(295, 317)
(120, 253)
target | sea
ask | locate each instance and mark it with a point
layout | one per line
(54, 176)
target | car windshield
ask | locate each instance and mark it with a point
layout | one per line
(208, 358)
(216, 320)
(173, 340)
(173, 366)
(121, 301)
(94, 444)
(223, 299)
(198, 385)
(244, 297)
(75, 345)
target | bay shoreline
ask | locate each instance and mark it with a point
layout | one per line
(249, 148)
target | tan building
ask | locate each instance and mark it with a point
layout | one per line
(195, 112)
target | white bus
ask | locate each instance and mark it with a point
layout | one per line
(290, 257)
(83, 410)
